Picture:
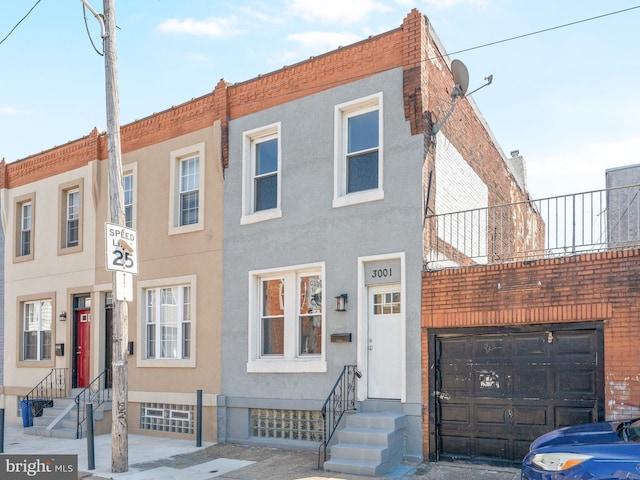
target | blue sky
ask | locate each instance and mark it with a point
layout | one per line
(567, 99)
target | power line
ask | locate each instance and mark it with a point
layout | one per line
(539, 31)
(16, 25)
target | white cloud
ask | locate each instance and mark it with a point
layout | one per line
(7, 111)
(342, 11)
(442, 4)
(581, 170)
(261, 16)
(211, 27)
(321, 42)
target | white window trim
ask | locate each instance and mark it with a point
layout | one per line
(340, 196)
(174, 188)
(248, 214)
(293, 363)
(132, 169)
(142, 286)
(19, 203)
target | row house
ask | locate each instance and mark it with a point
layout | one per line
(59, 293)
(282, 234)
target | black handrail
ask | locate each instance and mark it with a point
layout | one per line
(54, 385)
(97, 392)
(341, 399)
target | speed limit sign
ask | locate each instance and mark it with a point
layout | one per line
(122, 248)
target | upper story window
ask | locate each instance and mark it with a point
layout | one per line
(71, 216)
(261, 174)
(358, 152)
(187, 181)
(36, 330)
(24, 222)
(189, 186)
(127, 184)
(25, 229)
(72, 220)
(287, 321)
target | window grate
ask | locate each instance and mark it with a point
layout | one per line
(287, 424)
(165, 417)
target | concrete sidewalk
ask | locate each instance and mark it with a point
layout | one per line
(153, 458)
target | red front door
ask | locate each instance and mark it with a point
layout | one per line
(83, 350)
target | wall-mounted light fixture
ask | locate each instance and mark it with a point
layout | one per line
(63, 315)
(341, 302)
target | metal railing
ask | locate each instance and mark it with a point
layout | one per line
(97, 392)
(54, 385)
(341, 400)
(586, 222)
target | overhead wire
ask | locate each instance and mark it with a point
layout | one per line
(544, 30)
(21, 20)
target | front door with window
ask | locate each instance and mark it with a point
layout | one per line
(384, 342)
(83, 349)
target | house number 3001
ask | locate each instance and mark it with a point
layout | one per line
(381, 273)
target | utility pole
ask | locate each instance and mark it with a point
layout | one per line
(119, 425)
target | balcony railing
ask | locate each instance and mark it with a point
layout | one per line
(586, 222)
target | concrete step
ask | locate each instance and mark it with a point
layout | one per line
(352, 467)
(369, 436)
(371, 443)
(377, 420)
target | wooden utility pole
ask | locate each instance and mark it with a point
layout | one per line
(119, 425)
(120, 317)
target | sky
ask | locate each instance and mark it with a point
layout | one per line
(566, 98)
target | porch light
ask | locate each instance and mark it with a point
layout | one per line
(341, 302)
(63, 315)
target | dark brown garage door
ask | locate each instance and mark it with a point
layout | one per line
(496, 391)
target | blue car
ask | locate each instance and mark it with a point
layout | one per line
(594, 451)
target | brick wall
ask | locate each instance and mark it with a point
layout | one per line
(591, 287)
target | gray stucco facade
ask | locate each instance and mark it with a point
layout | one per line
(339, 241)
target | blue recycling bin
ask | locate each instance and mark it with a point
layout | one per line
(31, 408)
(27, 413)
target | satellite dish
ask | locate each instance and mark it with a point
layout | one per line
(460, 78)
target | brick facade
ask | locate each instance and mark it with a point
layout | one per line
(592, 287)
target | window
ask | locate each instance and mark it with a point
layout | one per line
(168, 322)
(261, 173)
(24, 221)
(127, 184)
(187, 180)
(25, 229)
(36, 330)
(71, 217)
(287, 320)
(189, 195)
(358, 146)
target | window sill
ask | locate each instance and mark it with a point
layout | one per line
(261, 216)
(356, 198)
(167, 363)
(302, 365)
(178, 230)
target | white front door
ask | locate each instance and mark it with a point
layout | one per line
(384, 342)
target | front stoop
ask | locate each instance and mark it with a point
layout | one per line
(372, 443)
(61, 420)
